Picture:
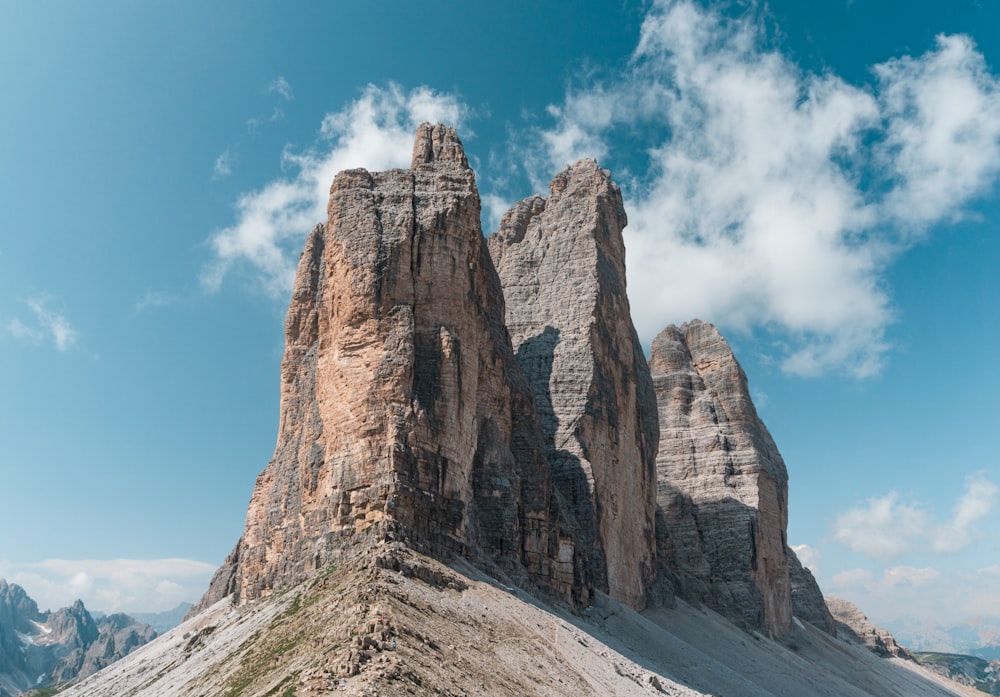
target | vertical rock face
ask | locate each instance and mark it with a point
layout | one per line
(561, 261)
(722, 485)
(401, 403)
(807, 599)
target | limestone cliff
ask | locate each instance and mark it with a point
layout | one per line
(807, 599)
(561, 262)
(403, 411)
(722, 485)
(853, 625)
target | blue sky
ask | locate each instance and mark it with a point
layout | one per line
(818, 179)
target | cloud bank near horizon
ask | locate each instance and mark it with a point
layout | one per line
(772, 200)
(111, 585)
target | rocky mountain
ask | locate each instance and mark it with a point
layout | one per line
(481, 486)
(561, 263)
(979, 637)
(44, 649)
(853, 622)
(402, 405)
(722, 485)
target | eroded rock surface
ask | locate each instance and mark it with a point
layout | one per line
(402, 406)
(561, 261)
(807, 599)
(852, 623)
(722, 485)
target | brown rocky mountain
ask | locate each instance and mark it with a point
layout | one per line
(402, 404)
(47, 649)
(481, 488)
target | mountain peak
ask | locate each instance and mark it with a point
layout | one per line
(438, 144)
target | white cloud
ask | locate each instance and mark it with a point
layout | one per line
(223, 166)
(888, 527)
(280, 86)
(752, 211)
(884, 528)
(943, 129)
(900, 594)
(975, 505)
(494, 207)
(46, 324)
(375, 131)
(154, 299)
(20, 330)
(851, 578)
(111, 585)
(809, 556)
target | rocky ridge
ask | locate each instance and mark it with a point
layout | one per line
(46, 649)
(854, 625)
(973, 671)
(388, 621)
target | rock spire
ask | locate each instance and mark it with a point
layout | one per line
(402, 406)
(561, 261)
(490, 399)
(722, 485)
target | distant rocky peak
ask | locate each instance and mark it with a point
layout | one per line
(853, 624)
(16, 608)
(437, 144)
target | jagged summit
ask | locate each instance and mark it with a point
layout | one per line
(479, 479)
(561, 261)
(49, 649)
(437, 145)
(401, 404)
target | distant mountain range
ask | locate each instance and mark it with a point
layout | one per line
(980, 638)
(162, 622)
(48, 649)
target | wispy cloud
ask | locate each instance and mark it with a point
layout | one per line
(888, 527)
(375, 131)
(280, 86)
(44, 324)
(153, 299)
(975, 505)
(900, 593)
(809, 556)
(254, 123)
(773, 198)
(223, 166)
(110, 585)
